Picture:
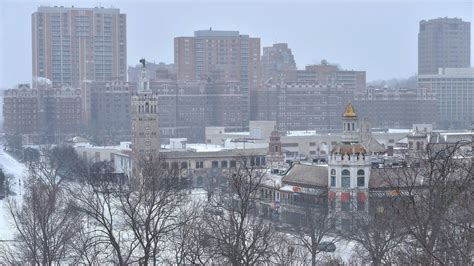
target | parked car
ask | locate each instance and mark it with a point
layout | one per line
(327, 246)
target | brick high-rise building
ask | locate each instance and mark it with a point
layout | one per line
(187, 107)
(332, 75)
(107, 110)
(223, 56)
(278, 62)
(302, 106)
(71, 45)
(397, 107)
(59, 114)
(20, 110)
(443, 43)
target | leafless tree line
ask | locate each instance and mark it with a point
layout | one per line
(428, 219)
(152, 220)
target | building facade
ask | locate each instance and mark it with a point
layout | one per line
(454, 89)
(220, 55)
(71, 45)
(107, 107)
(187, 107)
(330, 74)
(302, 106)
(278, 62)
(60, 114)
(20, 110)
(443, 43)
(397, 107)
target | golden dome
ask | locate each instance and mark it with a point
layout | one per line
(349, 112)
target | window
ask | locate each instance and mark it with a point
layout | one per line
(184, 165)
(360, 205)
(333, 177)
(224, 164)
(345, 179)
(233, 163)
(199, 164)
(215, 164)
(360, 178)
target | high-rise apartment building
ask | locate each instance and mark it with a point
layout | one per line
(107, 110)
(396, 107)
(278, 62)
(302, 106)
(454, 89)
(187, 107)
(72, 45)
(223, 56)
(326, 73)
(443, 43)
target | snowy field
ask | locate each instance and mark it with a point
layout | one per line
(11, 167)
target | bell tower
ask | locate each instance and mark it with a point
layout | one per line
(350, 125)
(145, 126)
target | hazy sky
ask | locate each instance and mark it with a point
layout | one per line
(377, 36)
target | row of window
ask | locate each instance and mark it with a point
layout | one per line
(346, 178)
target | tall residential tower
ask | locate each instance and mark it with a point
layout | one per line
(220, 55)
(72, 45)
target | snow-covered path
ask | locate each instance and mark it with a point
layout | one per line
(12, 167)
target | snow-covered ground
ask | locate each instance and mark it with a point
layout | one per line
(17, 170)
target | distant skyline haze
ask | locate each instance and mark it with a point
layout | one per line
(379, 37)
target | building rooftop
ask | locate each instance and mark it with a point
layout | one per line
(307, 174)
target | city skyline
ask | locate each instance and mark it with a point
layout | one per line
(351, 50)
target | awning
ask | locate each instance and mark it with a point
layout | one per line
(362, 197)
(345, 196)
(332, 195)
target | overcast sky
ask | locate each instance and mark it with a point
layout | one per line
(377, 36)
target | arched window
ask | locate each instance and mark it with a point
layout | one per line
(147, 108)
(360, 178)
(345, 178)
(333, 177)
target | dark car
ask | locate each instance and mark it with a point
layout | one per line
(327, 246)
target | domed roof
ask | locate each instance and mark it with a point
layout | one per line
(347, 148)
(349, 112)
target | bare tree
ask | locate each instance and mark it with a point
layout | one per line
(45, 220)
(150, 208)
(105, 224)
(238, 235)
(377, 235)
(190, 242)
(314, 228)
(437, 183)
(133, 220)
